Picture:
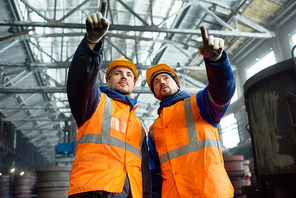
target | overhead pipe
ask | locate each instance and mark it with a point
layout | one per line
(17, 34)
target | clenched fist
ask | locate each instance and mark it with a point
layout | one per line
(96, 27)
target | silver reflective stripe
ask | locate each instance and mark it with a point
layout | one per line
(105, 137)
(194, 144)
(107, 140)
(106, 124)
(190, 121)
(189, 148)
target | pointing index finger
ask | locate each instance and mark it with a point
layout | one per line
(204, 35)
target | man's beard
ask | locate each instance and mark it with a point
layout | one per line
(122, 91)
(166, 94)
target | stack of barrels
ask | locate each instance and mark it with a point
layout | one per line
(52, 181)
(239, 173)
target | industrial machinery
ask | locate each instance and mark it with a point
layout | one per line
(270, 98)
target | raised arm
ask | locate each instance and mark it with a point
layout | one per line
(82, 87)
(214, 99)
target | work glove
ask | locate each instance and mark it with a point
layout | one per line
(212, 47)
(96, 27)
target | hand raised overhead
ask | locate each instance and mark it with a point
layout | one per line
(96, 27)
(212, 47)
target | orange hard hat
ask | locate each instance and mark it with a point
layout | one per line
(122, 62)
(160, 68)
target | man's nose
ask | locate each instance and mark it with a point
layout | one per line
(124, 76)
(162, 81)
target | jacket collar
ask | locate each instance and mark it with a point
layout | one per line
(179, 95)
(118, 96)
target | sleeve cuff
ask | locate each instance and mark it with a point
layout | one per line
(220, 60)
(88, 51)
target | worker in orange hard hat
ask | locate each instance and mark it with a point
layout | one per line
(117, 83)
(184, 146)
(161, 69)
(124, 63)
(111, 159)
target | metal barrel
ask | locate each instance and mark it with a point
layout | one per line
(270, 98)
(239, 174)
(52, 181)
(5, 186)
(23, 186)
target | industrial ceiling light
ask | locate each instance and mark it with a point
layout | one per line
(213, 7)
(12, 30)
(22, 173)
(178, 68)
(12, 170)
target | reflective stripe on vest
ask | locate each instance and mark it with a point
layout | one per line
(194, 144)
(105, 137)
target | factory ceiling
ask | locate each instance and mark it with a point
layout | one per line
(39, 38)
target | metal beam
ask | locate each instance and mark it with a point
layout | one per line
(129, 28)
(32, 107)
(8, 46)
(133, 12)
(34, 119)
(223, 23)
(142, 90)
(74, 10)
(118, 50)
(250, 23)
(123, 36)
(36, 11)
(151, 12)
(16, 35)
(40, 49)
(32, 89)
(63, 65)
(57, 65)
(174, 14)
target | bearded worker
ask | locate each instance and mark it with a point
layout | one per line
(184, 146)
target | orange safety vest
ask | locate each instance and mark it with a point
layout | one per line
(189, 152)
(108, 146)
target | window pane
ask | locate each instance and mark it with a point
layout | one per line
(294, 43)
(294, 39)
(230, 137)
(265, 62)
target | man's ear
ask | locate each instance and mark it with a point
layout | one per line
(134, 86)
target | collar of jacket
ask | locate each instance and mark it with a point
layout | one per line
(119, 97)
(180, 95)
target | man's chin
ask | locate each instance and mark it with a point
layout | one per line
(123, 91)
(164, 95)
